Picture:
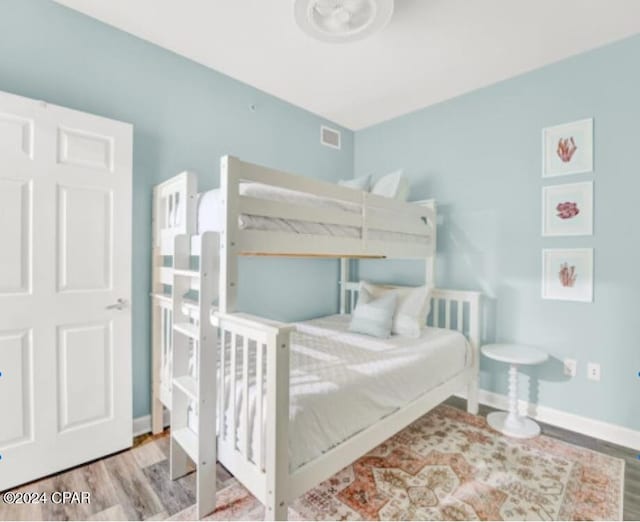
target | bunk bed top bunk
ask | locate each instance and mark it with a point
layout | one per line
(266, 212)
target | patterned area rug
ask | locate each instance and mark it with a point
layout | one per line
(450, 465)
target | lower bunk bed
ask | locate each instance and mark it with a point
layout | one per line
(328, 396)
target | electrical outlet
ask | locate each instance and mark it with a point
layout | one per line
(593, 371)
(570, 367)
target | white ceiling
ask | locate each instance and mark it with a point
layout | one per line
(431, 51)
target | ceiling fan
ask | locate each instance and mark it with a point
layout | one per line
(342, 20)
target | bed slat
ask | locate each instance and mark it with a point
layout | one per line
(259, 401)
(232, 390)
(447, 315)
(245, 395)
(223, 348)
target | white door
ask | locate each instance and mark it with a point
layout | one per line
(65, 260)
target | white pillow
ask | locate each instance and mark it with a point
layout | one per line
(374, 316)
(361, 183)
(394, 186)
(414, 305)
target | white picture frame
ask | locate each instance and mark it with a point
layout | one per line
(567, 209)
(567, 149)
(567, 274)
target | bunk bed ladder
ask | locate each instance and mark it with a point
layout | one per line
(193, 401)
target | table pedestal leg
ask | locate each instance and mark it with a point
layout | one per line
(511, 423)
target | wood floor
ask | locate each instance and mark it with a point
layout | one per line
(131, 485)
(135, 485)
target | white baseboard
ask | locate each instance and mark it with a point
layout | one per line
(142, 425)
(594, 428)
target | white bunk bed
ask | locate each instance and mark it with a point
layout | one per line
(203, 352)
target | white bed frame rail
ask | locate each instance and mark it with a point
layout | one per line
(267, 474)
(235, 241)
(407, 218)
(244, 337)
(176, 205)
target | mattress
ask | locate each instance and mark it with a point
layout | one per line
(211, 215)
(342, 383)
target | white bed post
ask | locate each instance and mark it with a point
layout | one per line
(277, 429)
(229, 185)
(179, 464)
(474, 339)
(207, 393)
(156, 334)
(345, 277)
(430, 273)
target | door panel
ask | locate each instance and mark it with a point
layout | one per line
(16, 387)
(85, 149)
(85, 381)
(65, 356)
(85, 250)
(16, 136)
(15, 231)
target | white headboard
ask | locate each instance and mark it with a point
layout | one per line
(451, 309)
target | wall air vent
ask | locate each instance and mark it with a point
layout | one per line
(330, 137)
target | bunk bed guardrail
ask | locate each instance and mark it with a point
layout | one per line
(176, 206)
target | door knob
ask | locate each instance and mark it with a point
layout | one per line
(119, 305)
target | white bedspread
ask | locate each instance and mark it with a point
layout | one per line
(211, 218)
(341, 382)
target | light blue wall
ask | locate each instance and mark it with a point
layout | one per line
(185, 116)
(479, 155)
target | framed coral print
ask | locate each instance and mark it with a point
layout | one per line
(567, 210)
(567, 274)
(567, 149)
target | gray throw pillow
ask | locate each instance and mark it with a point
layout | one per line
(374, 316)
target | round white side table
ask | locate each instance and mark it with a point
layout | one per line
(511, 423)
